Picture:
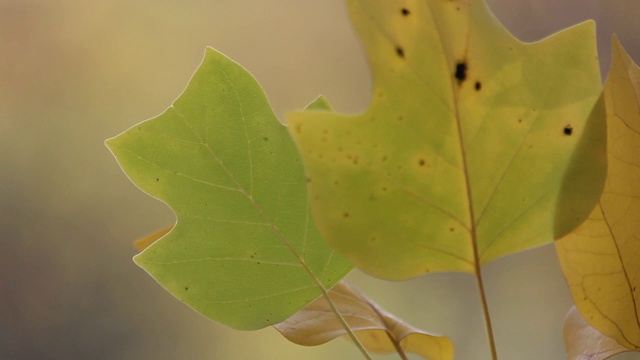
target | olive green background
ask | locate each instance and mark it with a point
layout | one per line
(75, 72)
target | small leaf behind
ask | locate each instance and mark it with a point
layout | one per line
(584, 342)
(145, 242)
(377, 329)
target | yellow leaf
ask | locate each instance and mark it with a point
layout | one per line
(600, 259)
(145, 242)
(585, 342)
(474, 145)
(378, 330)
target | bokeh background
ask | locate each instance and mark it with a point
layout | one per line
(75, 72)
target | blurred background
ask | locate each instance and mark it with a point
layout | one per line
(75, 72)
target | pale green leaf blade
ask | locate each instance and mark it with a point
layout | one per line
(468, 149)
(228, 168)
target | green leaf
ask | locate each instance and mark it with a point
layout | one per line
(600, 258)
(468, 150)
(244, 251)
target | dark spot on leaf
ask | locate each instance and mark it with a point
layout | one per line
(258, 262)
(451, 229)
(384, 189)
(400, 51)
(299, 129)
(308, 179)
(384, 158)
(568, 130)
(336, 182)
(478, 86)
(405, 11)
(400, 118)
(265, 138)
(345, 215)
(157, 179)
(421, 162)
(186, 288)
(519, 120)
(461, 71)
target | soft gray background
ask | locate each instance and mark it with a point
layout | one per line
(74, 72)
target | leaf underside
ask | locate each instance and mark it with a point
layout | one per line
(229, 170)
(473, 141)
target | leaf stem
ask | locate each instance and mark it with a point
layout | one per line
(485, 306)
(399, 349)
(344, 324)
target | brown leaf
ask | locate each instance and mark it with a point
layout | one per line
(378, 330)
(145, 242)
(584, 342)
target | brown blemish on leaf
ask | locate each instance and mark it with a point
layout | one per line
(568, 130)
(461, 71)
(400, 51)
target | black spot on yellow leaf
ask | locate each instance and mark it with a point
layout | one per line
(478, 86)
(461, 71)
(421, 162)
(405, 11)
(400, 51)
(568, 130)
(345, 215)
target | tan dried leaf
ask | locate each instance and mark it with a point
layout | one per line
(378, 330)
